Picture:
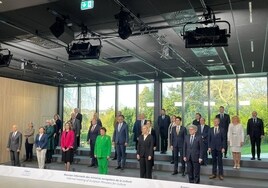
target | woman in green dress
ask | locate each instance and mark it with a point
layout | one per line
(103, 151)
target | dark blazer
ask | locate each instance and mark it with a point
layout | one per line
(195, 122)
(178, 140)
(58, 126)
(145, 147)
(154, 136)
(195, 151)
(163, 125)
(122, 136)
(255, 129)
(92, 135)
(76, 126)
(203, 135)
(137, 129)
(224, 123)
(216, 141)
(42, 143)
(14, 143)
(79, 117)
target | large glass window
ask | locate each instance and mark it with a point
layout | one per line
(172, 98)
(127, 105)
(107, 107)
(222, 93)
(252, 96)
(70, 102)
(88, 108)
(146, 100)
(196, 100)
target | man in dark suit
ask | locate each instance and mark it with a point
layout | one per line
(145, 152)
(163, 124)
(197, 119)
(137, 128)
(193, 154)
(216, 145)
(224, 123)
(79, 117)
(202, 130)
(177, 140)
(120, 139)
(76, 126)
(14, 145)
(255, 131)
(93, 132)
(96, 116)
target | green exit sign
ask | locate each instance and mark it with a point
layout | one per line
(87, 4)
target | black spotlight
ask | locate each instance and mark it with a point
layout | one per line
(124, 29)
(5, 57)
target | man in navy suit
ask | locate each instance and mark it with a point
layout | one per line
(216, 145)
(93, 132)
(137, 128)
(224, 123)
(202, 130)
(120, 139)
(255, 131)
(163, 124)
(177, 140)
(193, 154)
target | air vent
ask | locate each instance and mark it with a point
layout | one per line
(122, 59)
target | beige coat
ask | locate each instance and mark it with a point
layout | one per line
(235, 135)
(29, 133)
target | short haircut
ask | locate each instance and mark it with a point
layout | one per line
(222, 107)
(103, 128)
(193, 127)
(163, 109)
(149, 121)
(178, 117)
(122, 116)
(203, 118)
(198, 114)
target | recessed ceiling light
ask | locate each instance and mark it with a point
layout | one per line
(250, 11)
(1, 2)
(211, 60)
(251, 46)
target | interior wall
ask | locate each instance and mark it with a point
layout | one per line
(20, 103)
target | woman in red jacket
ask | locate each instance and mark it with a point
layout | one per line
(67, 144)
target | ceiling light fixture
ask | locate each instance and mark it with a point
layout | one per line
(124, 29)
(252, 64)
(250, 11)
(1, 2)
(252, 46)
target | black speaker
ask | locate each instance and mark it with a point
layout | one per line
(5, 57)
(57, 28)
(61, 31)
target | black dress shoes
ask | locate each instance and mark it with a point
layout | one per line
(175, 172)
(171, 162)
(253, 158)
(183, 174)
(119, 167)
(114, 158)
(91, 165)
(259, 159)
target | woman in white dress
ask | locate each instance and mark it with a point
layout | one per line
(236, 140)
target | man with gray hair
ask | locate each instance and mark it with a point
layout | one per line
(193, 154)
(14, 145)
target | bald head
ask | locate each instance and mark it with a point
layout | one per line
(14, 128)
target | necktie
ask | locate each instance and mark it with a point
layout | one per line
(119, 127)
(202, 128)
(254, 120)
(192, 139)
(13, 135)
(215, 130)
(221, 116)
(177, 129)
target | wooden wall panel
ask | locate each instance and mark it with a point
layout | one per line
(23, 102)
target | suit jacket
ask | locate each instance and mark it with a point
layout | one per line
(137, 129)
(29, 134)
(79, 117)
(224, 123)
(121, 137)
(76, 126)
(178, 140)
(145, 147)
(58, 126)
(195, 122)
(67, 139)
(163, 125)
(203, 135)
(255, 129)
(216, 141)
(50, 130)
(194, 150)
(14, 143)
(103, 146)
(154, 136)
(42, 143)
(92, 134)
